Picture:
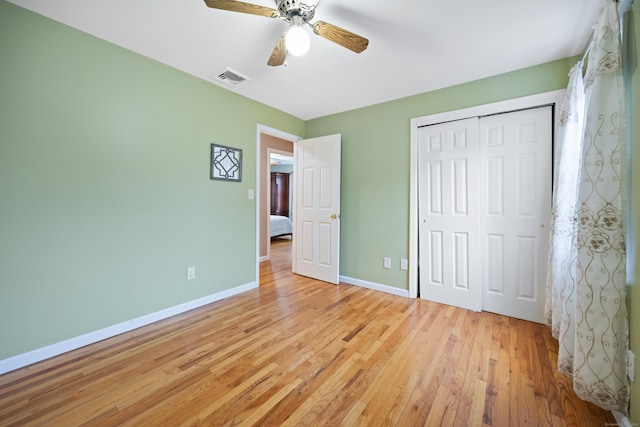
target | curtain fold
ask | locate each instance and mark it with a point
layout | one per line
(586, 298)
(560, 303)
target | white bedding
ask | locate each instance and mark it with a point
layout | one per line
(280, 225)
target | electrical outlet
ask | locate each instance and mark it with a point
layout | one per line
(191, 273)
(631, 365)
(387, 262)
(404, 264)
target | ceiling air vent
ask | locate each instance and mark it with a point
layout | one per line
(231, 77)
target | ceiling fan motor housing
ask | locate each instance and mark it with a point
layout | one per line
(291, 8)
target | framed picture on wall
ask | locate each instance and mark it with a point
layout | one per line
(226, 163)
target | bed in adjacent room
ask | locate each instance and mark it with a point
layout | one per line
(280, 226)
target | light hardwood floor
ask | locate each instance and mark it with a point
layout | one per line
(301, 352)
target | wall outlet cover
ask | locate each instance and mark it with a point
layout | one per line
(191, 273)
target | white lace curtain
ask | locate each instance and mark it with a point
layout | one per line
(586, 294)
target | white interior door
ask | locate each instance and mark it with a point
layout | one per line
(448, 213)
(516, 206)
(317, 213)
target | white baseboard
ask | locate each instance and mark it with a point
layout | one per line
(375, 286)
(621, 419)
(43, 353)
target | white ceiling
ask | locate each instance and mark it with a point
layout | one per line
(415, 46)
(280, 159)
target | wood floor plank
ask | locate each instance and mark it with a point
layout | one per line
(406, 376)
(297, 351)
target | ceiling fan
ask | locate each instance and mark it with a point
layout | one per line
(297, 14)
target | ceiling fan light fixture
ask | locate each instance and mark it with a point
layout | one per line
(297, 41)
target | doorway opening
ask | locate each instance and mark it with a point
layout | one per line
(281, 207)
(269, 142)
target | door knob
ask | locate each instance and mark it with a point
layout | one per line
(334, 216)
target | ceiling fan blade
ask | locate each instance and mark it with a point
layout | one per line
(238, 6)
(340, 36)
(279, 53)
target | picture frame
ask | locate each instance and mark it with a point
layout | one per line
(226, 163)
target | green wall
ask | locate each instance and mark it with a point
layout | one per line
(105, 196)
(375, 164)
(634, 297)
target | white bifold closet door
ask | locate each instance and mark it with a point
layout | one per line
(484, 209)
(449, 239)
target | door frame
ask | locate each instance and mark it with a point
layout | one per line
(260, 130)
(547, 98)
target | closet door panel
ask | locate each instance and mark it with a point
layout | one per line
(448, 214)
(515, 153)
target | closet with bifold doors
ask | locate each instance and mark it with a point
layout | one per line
(484, 205)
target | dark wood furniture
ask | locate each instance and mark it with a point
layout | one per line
(280, 193)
